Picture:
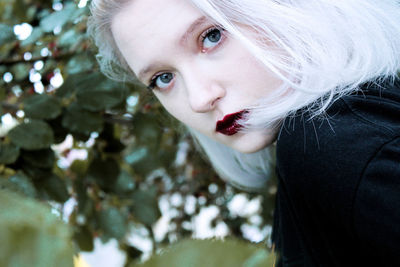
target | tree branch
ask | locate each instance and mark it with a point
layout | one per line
(107, 117)
(118, 120)
(8, 106)
(8, 62)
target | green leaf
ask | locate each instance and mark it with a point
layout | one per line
(145, 207)
(84, 238)
(85, 203)
(136, 155)
(57, 19)
(36, 173)
(19, 183)
(108, 93)
(42, 107)
(37, 32)
(43, 158)
(212, 253)
(142, 161)
(6, 33)
(68, 88)
(20, 71)
(147, 130)
(125, 183)
(32, 135)
(82, 121)
(87, 85)
(31, 235)
(79, 63)
(8, 153)
(113, 223)
(55, 188)
(69, 38)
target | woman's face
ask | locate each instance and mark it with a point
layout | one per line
(201, 74)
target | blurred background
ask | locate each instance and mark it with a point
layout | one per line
(103, 156)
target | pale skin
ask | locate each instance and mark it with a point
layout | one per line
(197, 70)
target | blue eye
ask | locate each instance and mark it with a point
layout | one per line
(161, 81)
(212, 37)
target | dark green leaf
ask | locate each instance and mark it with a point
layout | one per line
(145, 207)
(113, 223)
(84, 238)
(36, 173)
(142, 161)
(147, 130)
(104, 171)
(8, 153)
(32, 135)
(71, 83)
(108, 93)
(80, 136)
(55, 187)
(85, 203)
(82, 121)
(42, 107)
(43, 158)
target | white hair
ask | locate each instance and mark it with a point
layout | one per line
(320, 49)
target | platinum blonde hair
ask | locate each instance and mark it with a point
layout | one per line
(320, 49)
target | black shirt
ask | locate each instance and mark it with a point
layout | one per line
(338, 199)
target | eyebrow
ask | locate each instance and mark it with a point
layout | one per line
(195, 24)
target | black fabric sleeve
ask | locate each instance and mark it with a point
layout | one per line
(377, 204)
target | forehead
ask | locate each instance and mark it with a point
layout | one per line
(144, 28)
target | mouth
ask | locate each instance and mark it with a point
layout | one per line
(228, 125)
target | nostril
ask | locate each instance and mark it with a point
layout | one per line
(214, 102)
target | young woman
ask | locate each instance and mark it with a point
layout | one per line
(318, 77)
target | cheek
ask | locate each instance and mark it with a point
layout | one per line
(175, 107)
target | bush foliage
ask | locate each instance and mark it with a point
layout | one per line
(133, 155)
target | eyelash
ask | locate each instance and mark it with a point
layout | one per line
(210, 30)
(152, 85)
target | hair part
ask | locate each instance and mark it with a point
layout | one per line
(321, 50)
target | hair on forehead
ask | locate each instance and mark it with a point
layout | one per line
(326, 49)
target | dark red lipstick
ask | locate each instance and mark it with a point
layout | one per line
(229, 124)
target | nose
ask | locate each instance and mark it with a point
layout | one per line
(204, 93)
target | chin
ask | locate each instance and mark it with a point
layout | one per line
(251, 142)
(248, 149)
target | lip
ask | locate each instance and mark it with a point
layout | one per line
(228, 125)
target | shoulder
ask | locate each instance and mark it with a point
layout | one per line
(348, 135)
(326, 157)
(344, 169)
(376, 214)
